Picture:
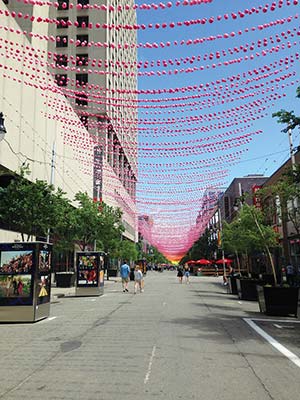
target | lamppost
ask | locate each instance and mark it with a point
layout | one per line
(220, 244)
(2, 127)
(98, 200)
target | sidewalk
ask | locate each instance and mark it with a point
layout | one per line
(59, 292)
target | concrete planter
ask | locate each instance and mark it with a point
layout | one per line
(232, 284)
(247, 288)
(65, 279)
(280, 301)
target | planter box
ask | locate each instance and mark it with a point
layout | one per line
(268, 279)
(65, 279)
(112, 272)
(247, 288)
(232, 284)
(280, 301)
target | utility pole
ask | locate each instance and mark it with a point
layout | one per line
(221, 243)
(51, 180)
(98, 200)
(292, 154)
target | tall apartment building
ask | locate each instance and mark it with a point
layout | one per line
(90, 69)
(32, 127)
(93, 60)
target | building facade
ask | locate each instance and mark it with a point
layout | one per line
(282, 223)
(33, 130)
(81, 96)
(244, 188)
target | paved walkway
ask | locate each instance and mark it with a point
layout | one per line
(172, 342)
(58, 292)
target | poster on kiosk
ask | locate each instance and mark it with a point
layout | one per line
(89, 273)
(25, 281)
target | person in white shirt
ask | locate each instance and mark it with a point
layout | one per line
(138, 279)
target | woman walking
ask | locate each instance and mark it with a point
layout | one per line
(187, 274)
(180, 275)
(138, 279)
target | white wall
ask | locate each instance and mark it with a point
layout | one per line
(32, 126)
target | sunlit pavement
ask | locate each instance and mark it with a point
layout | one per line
(174, 341)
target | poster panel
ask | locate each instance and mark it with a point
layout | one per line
(87, 270)
(16, 262)
(44, 261)
(16, 289)
(43, 284)
(101, 271)
(16, 270)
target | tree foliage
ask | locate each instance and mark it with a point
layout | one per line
(243, 236)
(30, 208)
(288, 117)
(204, 247)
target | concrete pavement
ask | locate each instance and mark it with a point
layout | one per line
(58, 292)
(171, 342)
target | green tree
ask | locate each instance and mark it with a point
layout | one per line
(288, 117)
(287, 191)
(29, 207)
(127, 250)
(110, 227)
(96, 222)
(204, 247)
(249, 233)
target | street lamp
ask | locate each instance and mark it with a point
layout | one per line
(220, 244)
(2, 127)
(292, 154)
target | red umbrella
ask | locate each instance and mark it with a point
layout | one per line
(226, 261)
(191, 262)
(203, 261)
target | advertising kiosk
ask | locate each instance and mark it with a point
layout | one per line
(89, 273)
(25, 281)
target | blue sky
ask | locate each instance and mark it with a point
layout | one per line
(267, 150)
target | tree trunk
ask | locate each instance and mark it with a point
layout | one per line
(67, 261)
(238, 262)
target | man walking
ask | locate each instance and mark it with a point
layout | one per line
(290, 274)
(125, 271)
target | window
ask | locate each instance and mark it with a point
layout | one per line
(81, 79)
(61, 80)
(83, 2)
(61, 60)
(226, 206)
(84, 120)
(81, 99)
(63, 4)
(62, 22)
(82, 59)
(83, 22)
(82, 40)
(61, 41)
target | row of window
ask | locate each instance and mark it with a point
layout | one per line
(64, 4)
(62, 79)
(82, 22)
(63, 41)
(63, 59)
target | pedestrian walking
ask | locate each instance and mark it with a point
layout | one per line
(125, 271)
(290, 274)
(187, 274)
(216, 270)
(180, 275)
(138, 280)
